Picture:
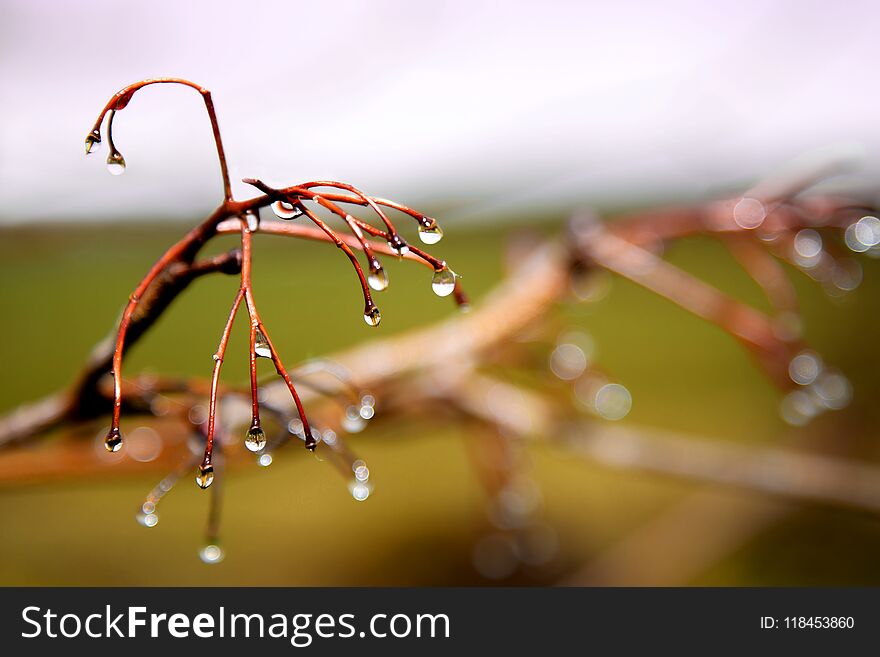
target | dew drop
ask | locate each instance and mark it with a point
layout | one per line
(443, 282)
(397, 245)
(113, 441)
(362, 473)
(93, 143)
(833, 390)
(255, 438)
(211, 554)
(353, 422)
(798, 408)
(805, 368)
(430, 234)
(378, 279)
(372, 316)
(205, 476)
(367, 412)
(867, 231)
(253, 221)
(116, 163)
(148, 519)
(285, 210)
(613, 401)
(261, 345)
(359, 490)
(265, 460)
(749, 213)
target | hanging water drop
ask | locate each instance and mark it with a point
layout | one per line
(148, 519)
(93, 142)
(359, 490)
(211, 554)
(430, 234)
(353, 422)
(113, 441)
(378, 279)
(253, 221)
(255, 438)
(443, 282)
(397, 245)
(285, 210)
(205, 476)
(372, 316)
(261, 345)
(116, 163)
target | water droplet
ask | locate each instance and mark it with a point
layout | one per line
(430, 234)
(443, 282)
(261, 345)
(360, 490)
(749, 213)
(113, 441)
(378, 279)
(798, 408)
(211, 554)
(255, 438)
(93, 143)
(362, 473)
(613, 401)
(353, 422)
(148, 519)
(285, 210)
(205, 476)
(805, 368)
(846, 274)
(253, 221)
(833, 390)
(265, 460)
(372, 316)
(367, 412)
(568, 361)
(867, 231)
(116, 163)
(807, 247)
(148, 507)
(397, 245)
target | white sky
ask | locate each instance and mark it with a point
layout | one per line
(542, 102)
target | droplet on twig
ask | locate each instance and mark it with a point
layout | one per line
(211, 554)
(397, 245)
(443, 282)
(430, 233)
(255, 438)
(205, 476)
(372, 316)
(116, 163)
(113, 441)
(261, 345)
(285, 210)
(805, 368)
(253, 221)
(378, 279)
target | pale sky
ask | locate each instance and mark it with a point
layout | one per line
(560, 103)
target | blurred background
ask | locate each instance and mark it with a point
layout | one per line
(498, 119)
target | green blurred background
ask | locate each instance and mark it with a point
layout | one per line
(295, 523)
